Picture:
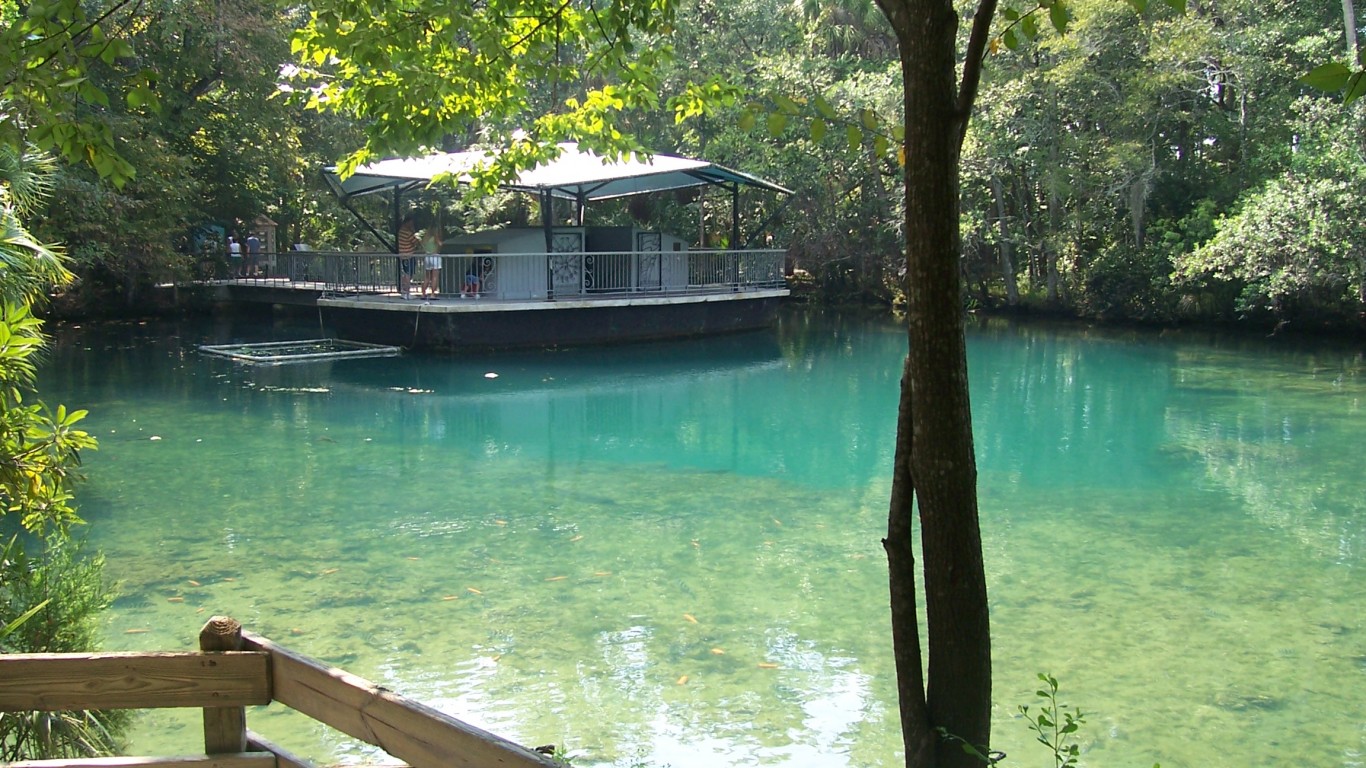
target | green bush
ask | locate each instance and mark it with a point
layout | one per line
(67, 587)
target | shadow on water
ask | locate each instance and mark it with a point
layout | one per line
(524, 372)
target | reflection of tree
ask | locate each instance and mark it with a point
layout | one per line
(1284, 442)
(1046, 402)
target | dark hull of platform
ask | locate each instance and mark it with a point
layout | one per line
(473, 324)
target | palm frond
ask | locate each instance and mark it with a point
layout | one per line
(28, 267)
(25, 178)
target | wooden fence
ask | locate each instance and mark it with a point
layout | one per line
(233, 670)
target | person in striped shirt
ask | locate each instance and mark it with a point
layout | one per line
(407, 248)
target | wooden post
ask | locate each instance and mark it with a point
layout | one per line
(225, 728)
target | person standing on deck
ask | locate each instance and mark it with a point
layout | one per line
(234, 256)
(431, 245)
(253, 265)
(407, 246)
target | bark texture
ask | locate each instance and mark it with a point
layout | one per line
(935, 468)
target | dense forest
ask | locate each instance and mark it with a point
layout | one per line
(1161, 167)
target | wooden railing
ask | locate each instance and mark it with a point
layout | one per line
(233, 670)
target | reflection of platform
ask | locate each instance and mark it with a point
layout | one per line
(303, 351)
(568, 372)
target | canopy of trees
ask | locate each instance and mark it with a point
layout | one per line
(1104, 175)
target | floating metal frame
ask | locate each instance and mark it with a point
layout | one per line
(348, 350)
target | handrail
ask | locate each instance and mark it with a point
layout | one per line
(530, 276)
(235, 669)
(52, 682)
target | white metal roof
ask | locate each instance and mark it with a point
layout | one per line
(575, 174)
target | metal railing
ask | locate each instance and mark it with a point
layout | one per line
(530, 276)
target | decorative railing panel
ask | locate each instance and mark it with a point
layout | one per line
(540, 276)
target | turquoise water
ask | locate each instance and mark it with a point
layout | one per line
(669, 554)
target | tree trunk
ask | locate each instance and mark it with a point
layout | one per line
(935, 468)
(1054, 224)
(1007, 263)
(1349, 21)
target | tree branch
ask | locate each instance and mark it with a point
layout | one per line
(64, 32)
(973, 63)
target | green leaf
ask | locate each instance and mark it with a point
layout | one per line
(776, 123)
(879, 145)
(786, 105)
(1011, 14)
(1139, 6)
(747, 120)
(103, 165)
(855, 137)
(1059, 15)
(1030, 26)
(1177, 5)
(1355, 88)
(818, 129)
(1328, 77)
(1009, 40)
(92, 93)
(13, 625)
(868, 118)
(824, 108)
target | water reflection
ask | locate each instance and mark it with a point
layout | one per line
(670, 552)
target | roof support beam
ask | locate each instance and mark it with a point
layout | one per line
(398, 216)
(345, 200)
(548, 220)
(734, 217)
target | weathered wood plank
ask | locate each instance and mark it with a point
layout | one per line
(283, 757)
(415, 733)
(69, 681)
(225, 728)
(242, 760)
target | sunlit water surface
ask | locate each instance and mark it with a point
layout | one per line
(669, 554)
